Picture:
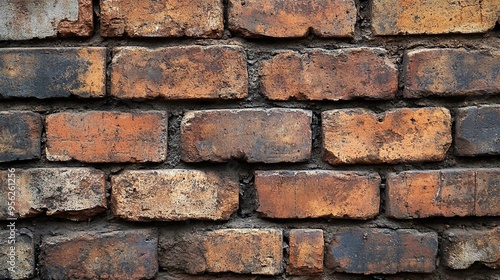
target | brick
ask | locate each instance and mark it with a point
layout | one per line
(330, 75)
(92, 255)
(180, 276)
(192, 72)
(477, 131)
(444, 193)
(99, 136)
(462, 248)
(354, 136)
(255, 135)
(393, 17)
(20, 135)
(306, 252)
(317, 194)
(45, 19)
(451, 72)
(52, 72)
(163, 18)
(23, 253)
(273, 18)
(382, 251)
(173, 195)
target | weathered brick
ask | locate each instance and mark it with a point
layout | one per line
(393, 17)
(314, 194)
(354, 136)
(73, 193)
(192, 72)
(99, 136)
(330, 75)
(374, 251)
(92, 255)
(53, 72)
(462, 248)
(181, 276)
(162, 18)
(306, 252)
(477, 131)
(273, 18)
(20, 262)
(256, 135)
(20, 136)
(173, 195)
(451, 72)
(21, 20)
(447, 193)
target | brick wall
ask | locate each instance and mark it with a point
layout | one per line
(250, 139)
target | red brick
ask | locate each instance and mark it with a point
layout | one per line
(477, 131)
(22, 260)
(352, 136)
(330, 75)
(273, 18)
(173, 195)
(99, 136)
(462, 248)
(192, 72)
(91, 255)
(52, 72)
(162, 18)
(315, 194)
(447, 193)
(255, 135)
(393, 17)
(20, 125)
(73, 193)
(451, 72)
(306, 252)
(382, 251)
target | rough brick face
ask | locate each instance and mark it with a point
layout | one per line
(329, 75)
(306, 252)
(392, 17)
(173, 195)
(73, 193)
(448, 193)
(374, 251)
(163, 18)
(256, 135)
(192, 72)
(24, 263)
(477, 131)
(314, 194)
(99, 136)
(451, 72)
(91, 255)
(20, 136)
(274, 18)
(462, 248)
(354, 136)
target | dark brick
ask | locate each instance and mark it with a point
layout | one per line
(24, 254)
(477, 131)
(20, 136)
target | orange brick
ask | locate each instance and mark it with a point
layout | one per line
(18, 125)
(392, 17)
(255, 135)
(315, 194)
(162, 18)
(273, 18)
(192, 72)
(306, 252)
(99, 136)
(330, 75)
(352, 136)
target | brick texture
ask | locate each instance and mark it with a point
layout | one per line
(329, 75)
(354, 136)
(306, 252)
(451, 72)
(22, 259)
(255, 135)
(99, 136)
(477, 131)
(15, 126)
(192, 72)
(274, 18)
(163, 18)
(314, 194)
